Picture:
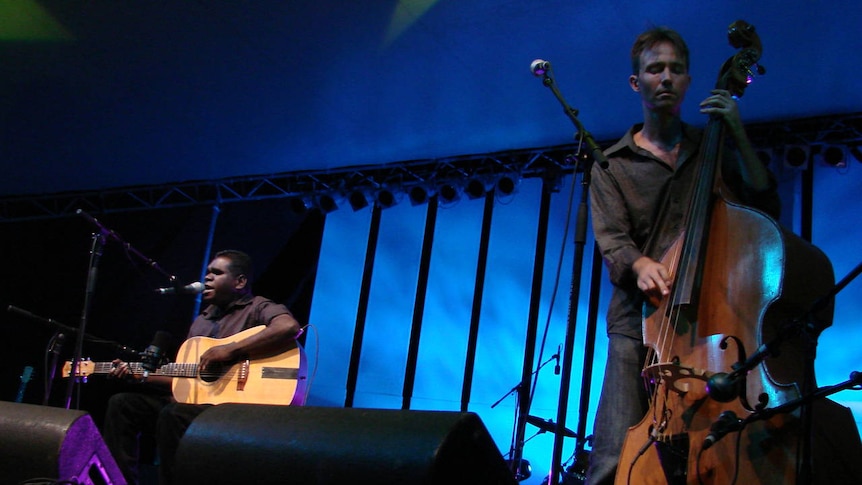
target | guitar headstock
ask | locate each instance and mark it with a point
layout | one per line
(85, 368)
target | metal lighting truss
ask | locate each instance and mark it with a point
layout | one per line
(549, 162)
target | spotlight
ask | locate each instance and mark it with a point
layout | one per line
(326, 203)
(300, 204)
(833, 156)
(385, 198)
(796, 156)
(357, 199)
(765, 156)
(448, 192)
(506, 185)
(418, 195)
(475, 188)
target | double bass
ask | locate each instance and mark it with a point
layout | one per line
(740, 281)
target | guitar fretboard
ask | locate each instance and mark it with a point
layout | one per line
(169, 370)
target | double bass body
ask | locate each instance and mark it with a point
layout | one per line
(756, 279)
(740, 281)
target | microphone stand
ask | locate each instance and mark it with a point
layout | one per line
(725, 387)
(854, 381)
(55, 345)
(98, 246)
(737, 424)
(95, 255)
(516, 448)
(106, 232)
(594, 148)
(595, 155)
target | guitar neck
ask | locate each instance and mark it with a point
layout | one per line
(137, 368)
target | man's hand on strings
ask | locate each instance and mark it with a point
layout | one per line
(653, 277)
(219, 353)
(120, 370)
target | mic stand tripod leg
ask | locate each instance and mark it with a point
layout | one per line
(55, 345)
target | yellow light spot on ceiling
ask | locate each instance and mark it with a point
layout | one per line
(26, 20)
(406, 13)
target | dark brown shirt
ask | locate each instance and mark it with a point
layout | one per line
(626, 201)
(241, 314)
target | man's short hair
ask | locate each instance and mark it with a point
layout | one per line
(240, 262)
(654, 36)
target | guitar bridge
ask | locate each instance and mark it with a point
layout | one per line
(673, 376)
(242, 375)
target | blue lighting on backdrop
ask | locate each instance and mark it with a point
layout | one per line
(503, 324)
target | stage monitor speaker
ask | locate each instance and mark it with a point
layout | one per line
(48, 442)
(246, 443)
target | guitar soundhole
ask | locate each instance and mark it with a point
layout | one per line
(213, 372)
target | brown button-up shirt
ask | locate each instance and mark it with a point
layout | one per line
(628, 220)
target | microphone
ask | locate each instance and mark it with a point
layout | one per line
(557, 357)
(723, 387)
(56, 344)
(726, 422)
(539, 67)
(189, 289)
(155, 354)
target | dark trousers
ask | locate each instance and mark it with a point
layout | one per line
(131, 414)
(623, 403)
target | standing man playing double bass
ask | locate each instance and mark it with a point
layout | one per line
(639, 201)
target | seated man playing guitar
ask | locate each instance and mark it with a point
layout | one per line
(232, 310)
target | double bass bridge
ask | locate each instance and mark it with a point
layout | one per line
(674, 376)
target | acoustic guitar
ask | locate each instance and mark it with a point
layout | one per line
(275, 379)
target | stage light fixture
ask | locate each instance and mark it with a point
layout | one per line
(326, 203)
(357, 199)
(301, 204)
(833, 156)
(386, 198)
(418, 195)
(796, 156)
(764, 155)
(448, 193)
(475, 188)
(506, 184)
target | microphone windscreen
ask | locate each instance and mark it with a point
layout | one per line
(165, 342)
